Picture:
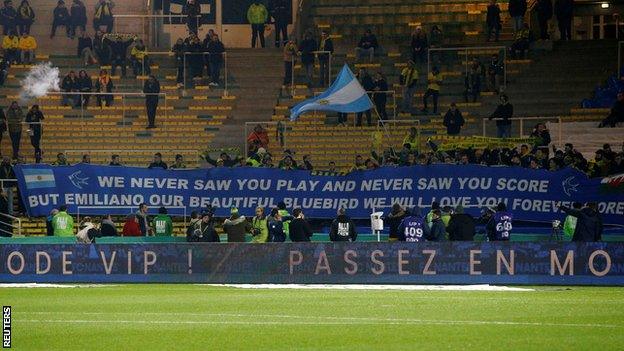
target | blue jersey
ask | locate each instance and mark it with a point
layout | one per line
(413, 229)
(502, 220)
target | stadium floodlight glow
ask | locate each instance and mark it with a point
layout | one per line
(604, 5)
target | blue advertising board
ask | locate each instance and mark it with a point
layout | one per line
(308, 263)
(529, 194)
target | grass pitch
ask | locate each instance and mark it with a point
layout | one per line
(195, 317)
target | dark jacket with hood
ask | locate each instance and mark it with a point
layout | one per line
(461, 227)
(588, 224)
(276, 231)
(236, 227)
(202, 232)
(394, 220)
(342, 229)
(438, 231)
(107, 228)
(300, 230)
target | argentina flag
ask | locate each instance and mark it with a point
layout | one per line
(37, 178)
(344, 95)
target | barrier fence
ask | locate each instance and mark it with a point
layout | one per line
(151, 23)
(521, 125)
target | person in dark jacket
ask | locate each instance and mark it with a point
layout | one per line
(49, 227)
(143, 220)
(544, 14)
(100, 48)
(103, 15)
(107, 226)
(203, 230)
(588, 224)
(419, 46)
(25, 17)
(119, 52)
(236, 227)
(342, 228)
(499, 223)
(192, 10)
(78, 17)
(9, 18)
(299, 229)
(85, 85)
(276, 227)
(461, 226)
(517, 9)
(493, 20)
(327, 45)
(215, 49)
(394, 219)
(564, 10)
(280, 11)
(367, 83)
(380, 97)
(413, 228)
(35, 119)
(85, 49)
(367, 45)
(504, 111)
(438, 230)
(70, 85)
(453, 120)
(472, 81)
(616, 115)
(306, 49)
(178, 50)
(151, 89)
(61, 18)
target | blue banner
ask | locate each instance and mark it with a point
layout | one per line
(308, 263)
(529, 194)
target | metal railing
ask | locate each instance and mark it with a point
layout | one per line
(330, 55)
(143, 19)
(9, 223)
(466, 61)
(225, 69)
(521, 126)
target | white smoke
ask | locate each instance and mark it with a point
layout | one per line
(40, 80)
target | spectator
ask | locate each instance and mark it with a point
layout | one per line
(327, 45)
(192, 10)
(438, 230)
(616, 115)
(433, 89)
(178, 50)
(359, 164)
(49, 228)
(412, 228)
(493, 20)
(299, 229)
(236, 227)
(258, 135)
(61, 160)
(215, 58)
(544, 14)
(104, 84)
(617, 166)
(461, 226)
(35, 119)
(564, 10)
(409, 78)
(4, 70)
(131, 226)
(280, 11)
(85, 85)
(140, 59)
(86, 159)
(15, 117)
(69, 85)
(107, 226)
(503, 112)
(367, 83)
(436, 40)
(119, 52)
(158, 162)
(276, 227)
(143, 220)
(162, 224)
(289, 54)
(569, 224)
(429, 218)
(101, 49)
(473, 81)
(495, 72)
(306, 49)
(419, 46)
(151, 89)
(412, 139)
(517, 9)
(202, 230)
(85, 49)
(61, 18)
(62, 223)
(394, 219)
(499, 225)
(78, 17)
(259, 226)
(178, 163)
(103, 16)
(195, 53)
(342, 228)
(367, 45)
(9, 18)
(257, 16)
(380, 95)
(115, 160)
(588, 222)
(10, 45)
(453, 120)
(542, 137)
(25, 17)
(520, 46)
(307, 163)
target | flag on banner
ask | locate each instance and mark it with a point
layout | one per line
(344, 95)
(37, 178)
